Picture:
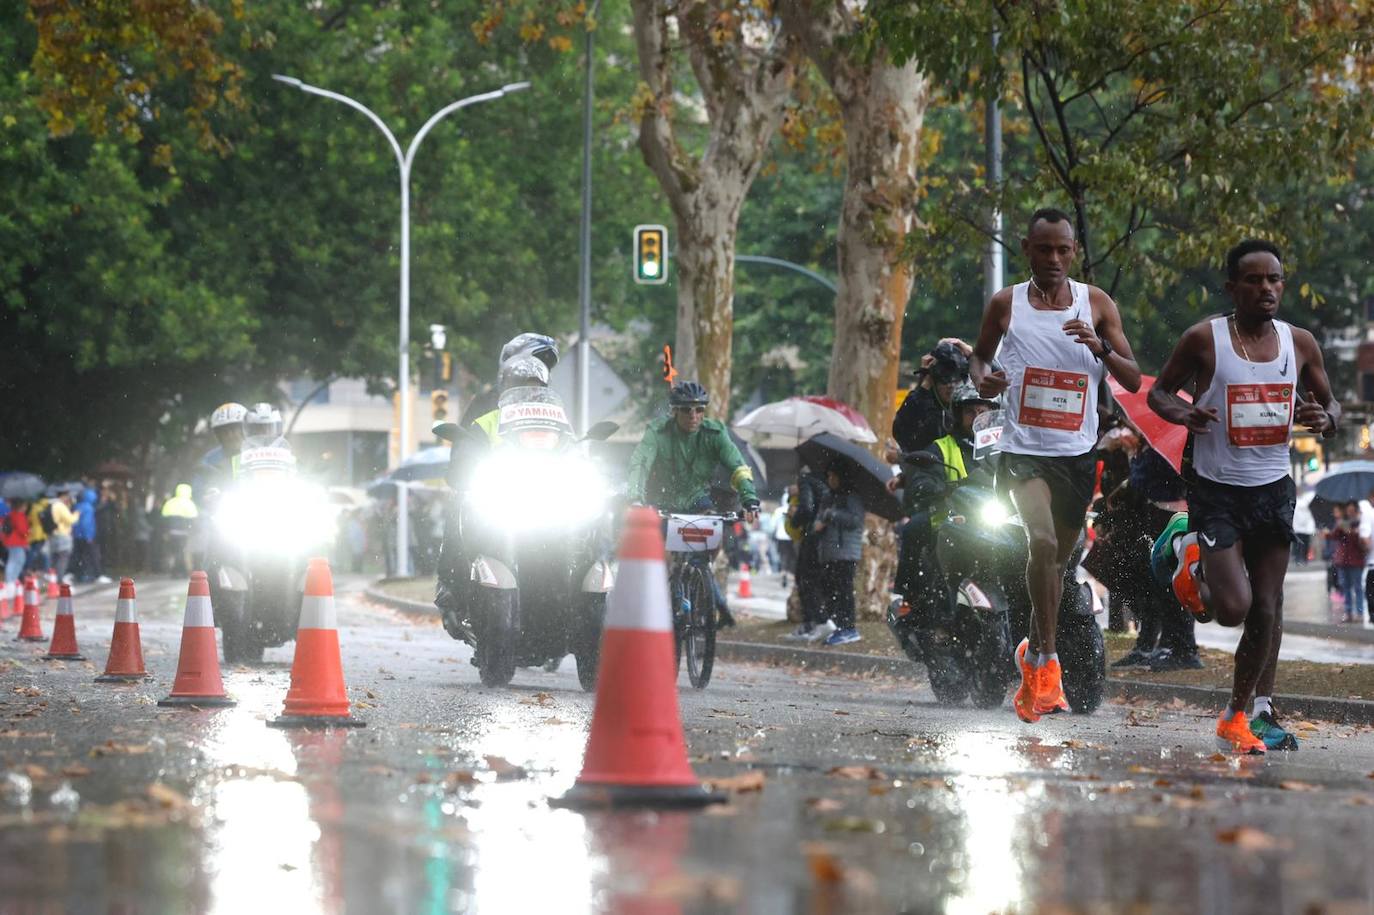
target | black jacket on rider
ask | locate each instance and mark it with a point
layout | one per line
(920, 420)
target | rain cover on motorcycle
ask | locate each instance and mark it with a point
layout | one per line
(534, 418)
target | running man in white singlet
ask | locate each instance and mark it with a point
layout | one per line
(1246, 370)
(1059, 338)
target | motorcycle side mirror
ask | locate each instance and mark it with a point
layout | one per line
(446, 431)
(601, 431)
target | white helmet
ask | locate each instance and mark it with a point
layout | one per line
(263, 420)
(523, 372)
(227, 414)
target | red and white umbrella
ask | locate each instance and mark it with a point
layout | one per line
(800, 418)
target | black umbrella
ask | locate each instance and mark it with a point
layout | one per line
(868, 474)
(17, 485)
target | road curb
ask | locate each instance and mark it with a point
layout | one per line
(1324, 708)
(373, 593)
(1332, 632)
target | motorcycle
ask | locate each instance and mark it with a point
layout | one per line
(265, 527)
(967, 644)
(535, 522)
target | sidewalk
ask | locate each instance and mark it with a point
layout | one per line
(1309, 634)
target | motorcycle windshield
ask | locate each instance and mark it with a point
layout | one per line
(264, 457)
(533, 418)
(987, 434)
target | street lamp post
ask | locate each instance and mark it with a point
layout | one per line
(404, 160)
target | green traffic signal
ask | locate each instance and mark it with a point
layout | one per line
(651, 255)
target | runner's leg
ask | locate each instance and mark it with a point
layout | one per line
(1268, 566)
(1224, 585)
(1043, 570)
(1265, 686)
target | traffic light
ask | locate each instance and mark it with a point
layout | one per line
(438, 404)
(651, 255)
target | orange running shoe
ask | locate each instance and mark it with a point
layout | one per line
(1185, 578)
(1233, 734)
(1049, 693)
(1024, 700)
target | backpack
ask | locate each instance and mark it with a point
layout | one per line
(45, 518)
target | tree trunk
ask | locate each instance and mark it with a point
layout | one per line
(744, 78)
(883, 107)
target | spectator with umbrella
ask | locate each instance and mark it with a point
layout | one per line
(839, 526)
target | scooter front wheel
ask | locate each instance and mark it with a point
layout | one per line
(499, 631)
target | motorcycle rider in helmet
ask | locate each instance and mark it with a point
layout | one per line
(523, 369)
(672, 467)
(542, 347)
(220, 464)
(925, 414)
(918, 576)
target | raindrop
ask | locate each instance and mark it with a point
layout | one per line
(917, 849)
(65, 799)
(17, 788)
(157, 743)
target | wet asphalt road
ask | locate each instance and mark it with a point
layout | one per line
(440, 803)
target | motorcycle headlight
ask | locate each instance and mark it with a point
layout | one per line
(286, 516)
(993, 513)
(537, 490)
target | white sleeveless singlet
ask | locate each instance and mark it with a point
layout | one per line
(1051, 403)
(1249, 447)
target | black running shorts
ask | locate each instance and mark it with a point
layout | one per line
(1071, 480)
(1223, 514)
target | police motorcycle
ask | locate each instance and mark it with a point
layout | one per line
(535, 522)
(981, 551)
(265, 527)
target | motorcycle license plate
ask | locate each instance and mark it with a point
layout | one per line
(694, 533)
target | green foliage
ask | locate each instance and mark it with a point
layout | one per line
(1168, 130)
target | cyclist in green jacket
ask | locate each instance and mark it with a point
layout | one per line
(673, 465)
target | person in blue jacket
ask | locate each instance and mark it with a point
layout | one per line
(85, 547)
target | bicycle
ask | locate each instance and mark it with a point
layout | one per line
(691, 541)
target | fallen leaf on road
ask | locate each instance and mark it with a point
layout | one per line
(1162, 783)
(1176, 703)
(821, 861)
(1076, 744)
(933, 783)
(1294, 785)
(167, 798)
(34, 772)
(721, 810)
(461, 778)
(17, 733)
(553, 719)
(540, 698)
(1218, 757)
(110, 748)
(1305, 726)
(680, 887)
(362, 703)
(823, 804)
(838, 712)
(1247, 838)
(878, 790)
(855, 824)
(370, 694)
(856, 773)
(27, 691)
(75, 770)
(750, 780)
(504, 768)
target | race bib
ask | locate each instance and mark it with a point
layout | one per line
(1053, 399)
(1259, 414)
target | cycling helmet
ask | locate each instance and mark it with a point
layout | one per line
(688, 394)
(545, 349)
(523, 371)
(966, 393)
(263, 420)
(227, 414)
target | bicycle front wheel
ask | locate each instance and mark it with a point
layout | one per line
(700, 629)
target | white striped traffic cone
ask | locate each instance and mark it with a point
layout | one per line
(198, 682)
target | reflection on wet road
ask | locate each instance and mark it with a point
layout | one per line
(873, 798)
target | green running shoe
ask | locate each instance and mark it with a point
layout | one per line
(1162, 558)
(1266, 728)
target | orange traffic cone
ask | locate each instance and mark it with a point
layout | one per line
(6, 599)
(746, 584)
(126, 648)
(31, 629)
(198, 681)
(53, 589)
(636, 754)
(63, 645)
(317, 697)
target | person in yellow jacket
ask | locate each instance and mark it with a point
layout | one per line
(178, 515)
(38, 537)
(60, 539)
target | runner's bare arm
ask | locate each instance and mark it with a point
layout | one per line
(1322, 412)
(1179, 370)
(996, 318)
(1107, 320)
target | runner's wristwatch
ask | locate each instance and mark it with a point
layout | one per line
(1106, 349)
